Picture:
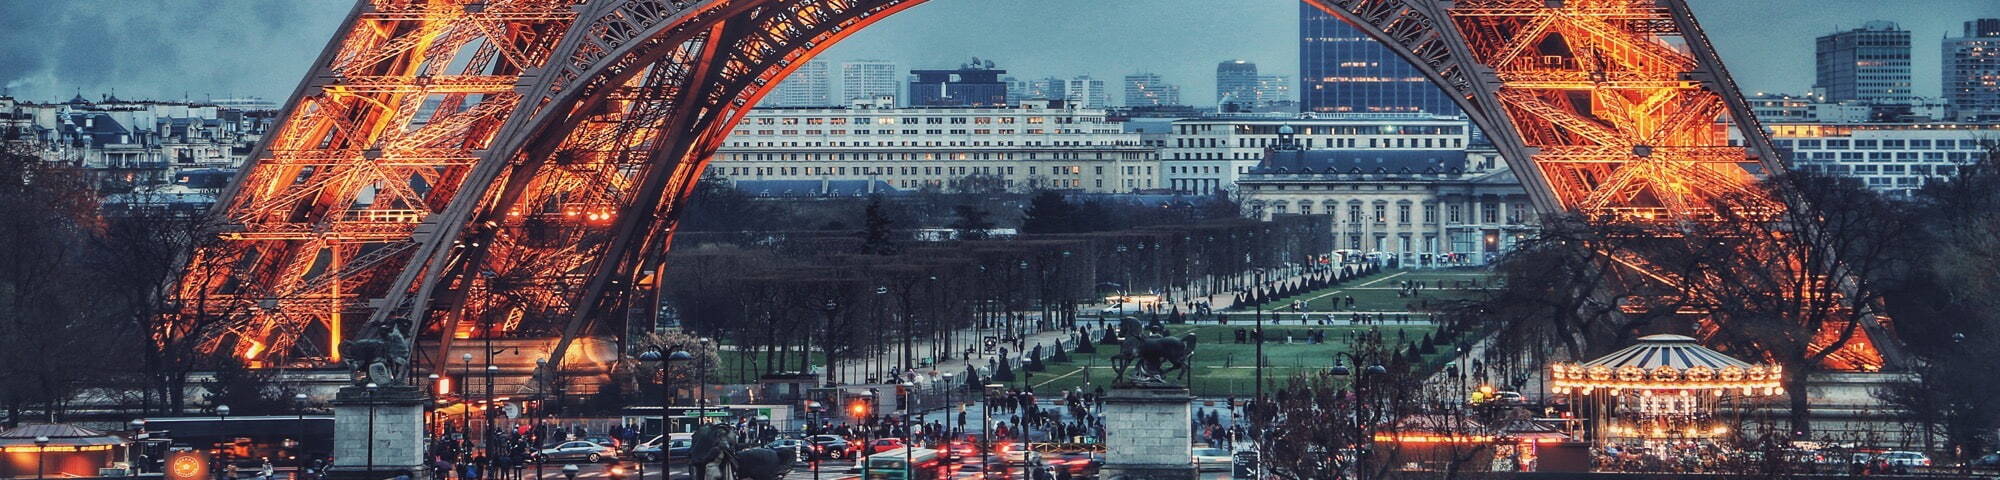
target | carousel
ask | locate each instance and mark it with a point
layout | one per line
(1664, 391)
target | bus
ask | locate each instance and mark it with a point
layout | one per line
(247, 441)
(895, 464)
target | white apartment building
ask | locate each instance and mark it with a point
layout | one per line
(1897, 158)
(809, 86)
(868, 79)
(1399, 207)
(1087, 92)
(1017, 148)
(1206, 154)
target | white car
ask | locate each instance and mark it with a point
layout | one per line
(1212, 459)
(1906, 459)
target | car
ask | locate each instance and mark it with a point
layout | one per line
(798, 448)
(1209, 459)
(1016, 454)
(1903, 460)
(678, 451)
(832, 446)
(884, 444)
(592, 452)
(1079, 464)
(1509, 398)
(979, 471)
(1990, 460)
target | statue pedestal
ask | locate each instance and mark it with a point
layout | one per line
(378, 433)
(1147, 431)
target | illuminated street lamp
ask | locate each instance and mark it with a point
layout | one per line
(41, 448)
(653, 357)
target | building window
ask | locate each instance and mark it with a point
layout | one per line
(1354, 216)
(1381, 216)
(1430, 213)
(1452, 215)
(1489, 213)
(1403, 214)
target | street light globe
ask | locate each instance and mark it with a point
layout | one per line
(465, 357)
(299, 397)
(41, 440)
(650, 356)
(680, 355)
(222, 409)
(1377, 369)
(492, 368)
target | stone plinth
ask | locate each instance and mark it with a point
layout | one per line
(378, 433)
(1147, 434)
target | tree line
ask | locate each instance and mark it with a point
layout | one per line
(1844, 278)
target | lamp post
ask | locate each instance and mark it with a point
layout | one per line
(1362, 396)
(664, 360)
(299, 407)
(947, 402)
(486, 416)
(909, 431)
(986, 428)
(41, 449)
(816, 408)
(221, 412)
(1259, 398)
(465, 416)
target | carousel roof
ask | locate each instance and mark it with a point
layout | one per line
(1666, 362)
(1677, 351)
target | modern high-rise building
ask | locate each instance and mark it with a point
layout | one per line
(1972, 71)
(869, 79)
(1086, 92)
(1273, 89)
(1342, 70)
(1235, 82)
(809, 86)
(1046, 88)
(975, 84)
(1149, 90)
(1870, 64)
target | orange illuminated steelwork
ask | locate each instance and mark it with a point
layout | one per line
(498, 168)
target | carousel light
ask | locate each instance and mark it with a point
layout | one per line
(1721, 430)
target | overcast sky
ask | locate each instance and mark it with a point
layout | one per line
(199, 49)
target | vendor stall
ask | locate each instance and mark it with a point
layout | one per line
(45, 450)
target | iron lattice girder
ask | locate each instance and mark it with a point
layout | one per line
(353, 167)
(588, 121)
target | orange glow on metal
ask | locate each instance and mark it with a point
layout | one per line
(420, 173)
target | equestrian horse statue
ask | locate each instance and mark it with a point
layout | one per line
(381, 356)
(716, 445)
(1150, 354)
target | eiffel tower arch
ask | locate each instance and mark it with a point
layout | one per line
(513, 168)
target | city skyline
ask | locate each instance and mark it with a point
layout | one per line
(40, 62)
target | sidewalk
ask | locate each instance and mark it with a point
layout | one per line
(850, 370)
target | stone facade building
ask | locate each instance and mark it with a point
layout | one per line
(1035, 145)
(1406, 207)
